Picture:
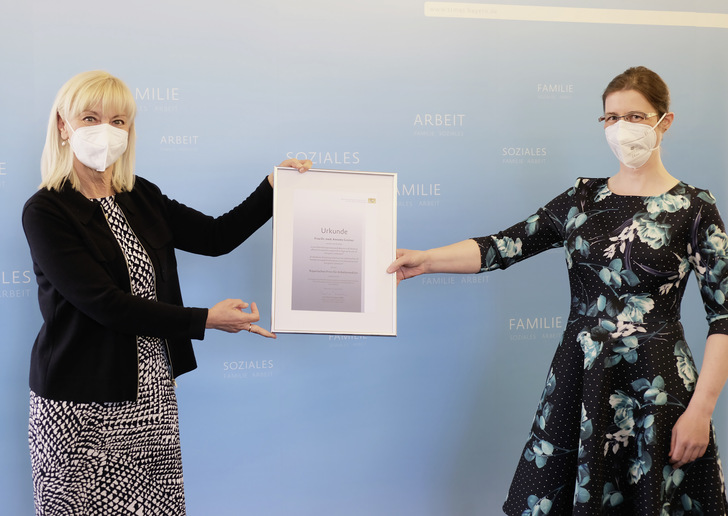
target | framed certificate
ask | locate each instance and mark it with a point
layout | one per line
(334, 235)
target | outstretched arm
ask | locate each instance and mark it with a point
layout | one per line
(460, 258)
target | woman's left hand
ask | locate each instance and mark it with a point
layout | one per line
(690, 438)
(301, 166)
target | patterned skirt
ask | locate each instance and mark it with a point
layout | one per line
(110, 458)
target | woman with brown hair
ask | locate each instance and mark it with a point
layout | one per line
(624, 424)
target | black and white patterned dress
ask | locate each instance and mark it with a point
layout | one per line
(113, 458)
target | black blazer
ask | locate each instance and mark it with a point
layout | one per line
(86, 349)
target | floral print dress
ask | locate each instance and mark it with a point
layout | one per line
(622, 374)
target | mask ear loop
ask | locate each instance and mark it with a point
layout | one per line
(653, 128)
(660, 120)
(70, 127)
(66, 124)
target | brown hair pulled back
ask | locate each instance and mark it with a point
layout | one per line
(646, 82)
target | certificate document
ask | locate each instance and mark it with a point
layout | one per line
(334, 234)
(328, 251)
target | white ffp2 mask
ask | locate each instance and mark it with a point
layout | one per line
(98, 146)
(632, 143)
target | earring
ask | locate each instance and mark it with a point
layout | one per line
(63, 143)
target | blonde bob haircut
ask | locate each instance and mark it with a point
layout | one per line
(81, 93)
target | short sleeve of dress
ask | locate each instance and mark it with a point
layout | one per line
(545, 229)
(708, 255)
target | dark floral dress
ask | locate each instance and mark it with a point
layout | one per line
(622, 374)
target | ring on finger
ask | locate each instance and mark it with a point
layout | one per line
(250, 328)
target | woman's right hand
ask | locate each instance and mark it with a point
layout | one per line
(458, 258)
(408, 264)
(229, 316)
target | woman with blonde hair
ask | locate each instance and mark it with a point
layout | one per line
(104, 431)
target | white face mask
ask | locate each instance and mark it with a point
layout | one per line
(98, 146)
(632, 143)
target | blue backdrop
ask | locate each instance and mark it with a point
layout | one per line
(483, 120)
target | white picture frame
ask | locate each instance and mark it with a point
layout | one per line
(334, 234)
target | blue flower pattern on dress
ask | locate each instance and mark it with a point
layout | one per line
(622, 351)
